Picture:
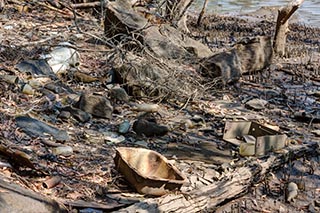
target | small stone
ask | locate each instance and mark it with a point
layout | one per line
(78, 114)
(64, 115)
(257, 104)
(124, 127)
(146, 107)
(312, 208)
(143, 144)
(96, 105)
(112, 137)
(27, 89)
(316, 132)
(119, 94)
(36, 128)
(292, 191)
(63, 150)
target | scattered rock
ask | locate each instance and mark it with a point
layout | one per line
(64, 115)
(119, 94)
(147, 128)
(112, 137)
(96, 105)
(256, 104)
(121, 18)
(63, 150)
(249, 55)
(142, 144)
(78, 114)
(124, 127)
(27, 89)
(146, 107)
(17, 199)
(292, 191)
(35, 128)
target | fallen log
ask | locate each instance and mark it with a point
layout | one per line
(234, 184)
(284, 15)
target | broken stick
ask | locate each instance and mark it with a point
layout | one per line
(202, 12)
(284, 15)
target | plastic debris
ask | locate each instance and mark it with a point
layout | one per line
(63, 57)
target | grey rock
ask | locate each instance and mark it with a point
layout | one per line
(119, 94)
(256, 104)
(96, 105)
(124, 127)
(148, 128)
(78, 114)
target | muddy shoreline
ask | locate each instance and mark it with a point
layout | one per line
(291, 86)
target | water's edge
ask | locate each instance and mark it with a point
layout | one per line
(308, 14)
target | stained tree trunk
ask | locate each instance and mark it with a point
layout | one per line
(284, 15)
(205, 3)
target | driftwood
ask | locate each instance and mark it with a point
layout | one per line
(248, 56)
(167, 42)
(284, 15)
(234, 184)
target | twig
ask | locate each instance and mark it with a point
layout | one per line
(36, 43)
(89, 5)
(202, 12)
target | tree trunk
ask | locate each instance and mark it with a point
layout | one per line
(284, 15)
(202, 12)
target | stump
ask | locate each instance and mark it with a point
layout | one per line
(284, 15)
